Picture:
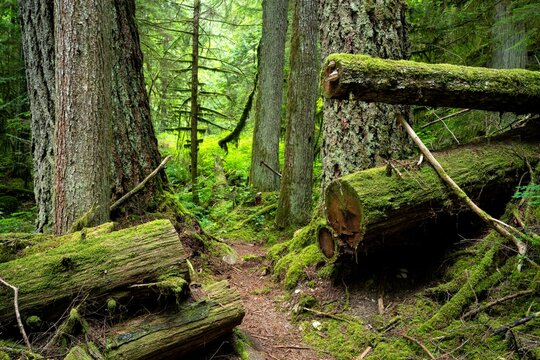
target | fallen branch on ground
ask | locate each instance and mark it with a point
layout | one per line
(498, 301)
(521, 321)
(422, 346)
(17, 313)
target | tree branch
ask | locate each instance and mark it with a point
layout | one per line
(17, 313)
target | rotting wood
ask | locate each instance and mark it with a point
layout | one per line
(408, 82)
(367, 209)
(58, 270)
(171, 335)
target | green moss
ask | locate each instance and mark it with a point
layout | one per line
(33, 322)
(241, 344)
(111, 305)
(294, 264)
(78, 353)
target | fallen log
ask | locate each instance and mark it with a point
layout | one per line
(94, 264)
(408, 82)
(171, 335)
(369, 210)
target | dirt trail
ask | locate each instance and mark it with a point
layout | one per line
(266, 321)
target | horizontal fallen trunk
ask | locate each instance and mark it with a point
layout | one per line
(408, 82)
(93, 264)
(369, 210)
(171, 335)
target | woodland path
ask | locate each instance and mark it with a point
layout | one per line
(267, 319)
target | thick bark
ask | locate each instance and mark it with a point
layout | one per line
(37, 27)
(295, 192)
(369, 210)
(509, 47)
(170, 336)
(408, 82)
(356, 134)
(96, 263)
(194, 99)
(269, 97)
(83, 113)
(135, 148)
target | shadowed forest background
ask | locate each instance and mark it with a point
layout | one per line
(128, 125)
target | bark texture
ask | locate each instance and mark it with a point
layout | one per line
(171, 336)
(509, 47)
(96, 262)
(135, 148)
(37, 27)
(356, 135)
(369, 210)
(295, 193)
(408, 82)
(83, 113)
(269, 97)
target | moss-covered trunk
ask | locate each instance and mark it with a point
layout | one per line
(93, 264)
(369, 210)
(172, 335)
(407, 82)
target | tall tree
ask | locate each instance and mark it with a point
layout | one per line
(194, 100)
(509, 46)
(83, 112)
(296, 183)
(357, 135)
(134, 152)
(265, 152)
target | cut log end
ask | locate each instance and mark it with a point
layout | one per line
(327, 243)
(344, 212)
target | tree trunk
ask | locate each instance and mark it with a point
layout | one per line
(135, 147)
(357, 135)
(83, 113)
(295, 193)
(369, 210)
(135, 150)
(94, 264)
(37, 27)
(509, 47)
(171, 336)
(269, 97)
(194, 99)
(409, 82)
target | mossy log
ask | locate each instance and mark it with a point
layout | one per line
(93, 264)
(408, 82)
(171, 335)
(369, 210)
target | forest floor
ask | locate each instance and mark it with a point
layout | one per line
(267, 322)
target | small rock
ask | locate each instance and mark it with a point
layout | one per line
(317, 325)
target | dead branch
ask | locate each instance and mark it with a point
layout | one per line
(365, 353)
(270, 168)
(498, 301)
(325, 314)
(521, 321)
(444, 118)
(426, 350)
(17, 313)
(495, 224)
(141, 185)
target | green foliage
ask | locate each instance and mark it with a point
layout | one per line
(530, 192)
(22, 221)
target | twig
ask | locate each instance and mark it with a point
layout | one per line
(444, 118)
(270, 168)
(366, 352)
(498, 301)
(292, 347)
(419, 344)
(141, 185)
(393, 167)
(521, 321)
(17, 313)
(492, 222)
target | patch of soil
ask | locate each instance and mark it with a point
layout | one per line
(267, 321)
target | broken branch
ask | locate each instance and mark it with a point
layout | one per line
(17, 313)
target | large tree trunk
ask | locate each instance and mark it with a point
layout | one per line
(369, 210)
(38, 45)
(295, 192)
(409, 82)
(357, 135)
(172, 335)
(93, 264)
(83, 113)
(269, 97)
(135, 150)
(509, 47)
